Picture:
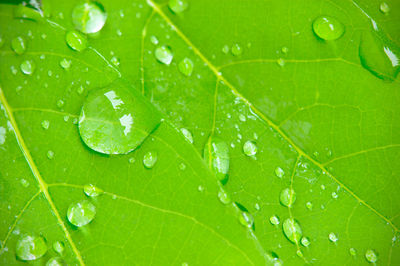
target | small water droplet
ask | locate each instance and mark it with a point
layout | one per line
(242, 118)
(60, 103)
(274, 220)
(352, 251)
(328, 28)
(164, 54)
(18, 44)
(279, 172)
(332, 237)
(81, 213)
(323, 187)
(384, 8)
(187, 134)
(178, 6)
(200, 188)
(92, 191)
(305, 241)
(281, 62)
(115, 61)
(76, 40)
(216, 155)
(246, 219)
(50, 155)
(236, 49)
(45, 124)
(334, 195)
(30, 247)
(153, 40)
(309, 205)
(56, 261)
(225, 49)
(285, 50)
(58, 247)
(287, 197)
(65, 63)
(89, 17)
(28, 67)
(224, 197)
(182, 166)
(132, 160)
(186, 67)
(150, 159)
(80, 89)
(371, 256)
(257, 206)
(292, 230)
(24, 182)
(250, 148)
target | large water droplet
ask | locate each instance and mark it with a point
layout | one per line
(379, 55)
(81, 213)
(28, 67)
(178, 6)
(384, 8)
(292, 230)
(164, 54)
(56, 261)
(18, 44)
(328, 28)
(250, 148)
(287, 197)
(58, 247)
(371, 256)
(186, 67)
(22, 11)
(91, 190)
(30, 247)
(76, 40)
(150, 159)
(89, 17)
(114, 120)
(246, 219)
(216, 154)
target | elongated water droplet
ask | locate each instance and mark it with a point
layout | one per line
(225, 49)
(114, 120)
(236, 49)
(164, 54)
(45, 124)
(224, 197)
(153, 40)
(274, 220)
(50, 154)
(246, 219)
(379, 55)
(76, 40)
(178, 6)
(384, 8)
(81, 213)
(287, 197)
(216, 154)
(65, 63)
(58, 247)
(30, 247)
(28, 67)
(328, 28)
(186, 67)
(250, 148)
(305, 241)
(332, 237)
(371, 256)
(352, 251)
(279, 172)
(89, 17)
(150, 159)
(22, 11)
(187, 134)
(56, 261)
(292, 230)
(18, 44)
(91, 190)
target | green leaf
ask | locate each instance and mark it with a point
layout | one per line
(293, 111)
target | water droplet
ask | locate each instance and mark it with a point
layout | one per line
(80, 89)
(50, 155)
(164, 54)
(58, 247)
(379, 55)
(24, 182)
(328, 28)
(60, 103)
(18, 44)
(65, 63)
(309, 205)
(114, 120)
(292, 230)
(371, 256)
(25, 12)
(81, 213)
(186, 67)
(274, 220)
(187, 134)
(257, 206)
(236, 49)
(216, 154)
(153, 40)
(287, 197)
(76, 41)
(305, 241)
(352, 251)
(334, 195)
(178, 6)
(246, 219)
(332, 237)
(200, 188)
(28, 67)
(285, 50)
(150, 159)
(384, 8)
(115, 61)
(89, 17)
(56, 261)
(182, 166)
(132, 160)
(30, 247)
(225, 49)
(250, 148)
(224, 197)
(279, 172)
(281, 62)
(91, 190)
(45, 124)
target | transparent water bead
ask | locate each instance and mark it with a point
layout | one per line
(81, 213)
(371, 256)
(332, 237)
(76, 41)
(250, 148)
(92, 191)
(287, 197)
(178, 6)
(274, 220)
(224, 197)
(28, 67)
(89, 17)
(150, 159)
(186, 67)
(164, 54)
(114, 120)
(246, 219)
(30, 247)
(328, 28)
(18, 44)
(216, 155)
(292, 230)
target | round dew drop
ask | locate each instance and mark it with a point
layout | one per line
(89, 17)
(274, 220)
(352, 251)
(305, 241)
(58, 247)
(92, 191)
(225, 49)
(76, 41)
(65, 63)
(164, 54)
(81, 213)
(178, 6)
(224, 197)
(28, 67)
(371, 256)
(279, 172)
(150, 159)
(250, 148)
(292, 230)
(287, 197)
(115, 61)
(333, 238)
(236, 49)
(186, 67)
(45, 124)
(30, 247)
(56, 261)
(18, 45)
(328, 28)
